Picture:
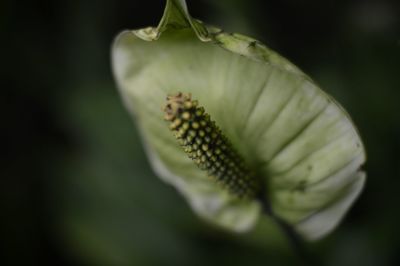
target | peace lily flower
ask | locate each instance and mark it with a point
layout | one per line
(234, 126)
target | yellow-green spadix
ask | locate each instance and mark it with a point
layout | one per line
(296, 138)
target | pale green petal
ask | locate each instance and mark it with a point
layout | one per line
(323, 221)
(302, 142)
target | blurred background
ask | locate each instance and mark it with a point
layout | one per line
(76, 187)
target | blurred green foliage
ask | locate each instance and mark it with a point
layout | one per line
(77, 187)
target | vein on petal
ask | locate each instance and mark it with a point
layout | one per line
(297, 134)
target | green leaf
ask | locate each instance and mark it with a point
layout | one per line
(303, 144)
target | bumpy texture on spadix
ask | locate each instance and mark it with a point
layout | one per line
(299, 141)
(206, 145)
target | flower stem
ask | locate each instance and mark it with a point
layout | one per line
(292, 236)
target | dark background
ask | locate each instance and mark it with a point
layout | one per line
(76, 187)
